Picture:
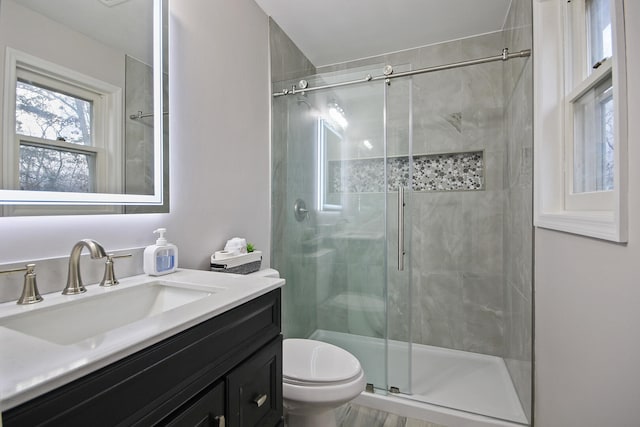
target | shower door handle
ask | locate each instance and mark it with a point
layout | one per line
(401, 229)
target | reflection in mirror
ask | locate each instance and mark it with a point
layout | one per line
(329, 152)
(84, 117)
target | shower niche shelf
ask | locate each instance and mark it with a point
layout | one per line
(461, 171)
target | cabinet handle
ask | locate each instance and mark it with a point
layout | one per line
(220, 420)
(259, 401)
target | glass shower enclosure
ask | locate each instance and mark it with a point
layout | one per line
(389, 223)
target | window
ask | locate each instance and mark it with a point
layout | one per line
(589, 127)
(580, 117)
(593, 142)
(57, 132)
(54, 130)
(598, 22)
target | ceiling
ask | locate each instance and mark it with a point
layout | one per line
(127, 26)
(334, 31)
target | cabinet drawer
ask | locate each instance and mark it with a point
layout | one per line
(144, 388)
(254, 389)
(206, 411)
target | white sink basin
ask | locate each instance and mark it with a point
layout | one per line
(92, 316)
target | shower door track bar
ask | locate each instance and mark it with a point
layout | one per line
(505, 56)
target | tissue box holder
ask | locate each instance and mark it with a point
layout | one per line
(239, 264)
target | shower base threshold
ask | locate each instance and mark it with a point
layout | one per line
(445, 379)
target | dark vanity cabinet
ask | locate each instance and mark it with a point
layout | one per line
(226, 371)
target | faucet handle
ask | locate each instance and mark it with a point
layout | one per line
(109, 278)
(30, 294)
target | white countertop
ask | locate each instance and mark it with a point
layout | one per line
(30, 366)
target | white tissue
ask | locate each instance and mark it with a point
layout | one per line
(236, 246)
(222, 255)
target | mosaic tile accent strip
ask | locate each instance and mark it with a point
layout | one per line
(356, 176)
(436, 172)
(449, 172)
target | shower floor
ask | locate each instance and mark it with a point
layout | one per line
(460, 380)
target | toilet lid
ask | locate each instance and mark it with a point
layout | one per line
(315, 361)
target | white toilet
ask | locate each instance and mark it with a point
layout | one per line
(317, 377)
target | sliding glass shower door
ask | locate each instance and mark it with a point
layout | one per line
(399, 177)
(335, 214)
(451, 309)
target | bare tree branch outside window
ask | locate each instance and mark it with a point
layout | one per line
(54, 116)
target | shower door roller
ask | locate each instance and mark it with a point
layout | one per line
(300, 210)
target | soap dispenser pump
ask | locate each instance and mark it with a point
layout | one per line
(161, 258)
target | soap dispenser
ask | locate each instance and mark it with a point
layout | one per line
(161, 258)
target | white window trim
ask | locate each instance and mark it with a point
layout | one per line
(107, 134)
(550, 72)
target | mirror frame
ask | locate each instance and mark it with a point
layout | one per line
(24, 197)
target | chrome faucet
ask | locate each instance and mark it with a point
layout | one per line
(74, 281)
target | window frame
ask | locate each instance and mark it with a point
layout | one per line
(106, 136)
(580, 79)
(558, 64)
(96, 147)
(593, 200)
(107, 132)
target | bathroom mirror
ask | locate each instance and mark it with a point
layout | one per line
(84, 106)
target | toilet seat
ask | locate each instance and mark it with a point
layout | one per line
(325, 395)
(309, 362)
(318, 373)
(294, 381)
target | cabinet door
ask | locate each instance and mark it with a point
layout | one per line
(255, 389)
(206, 411)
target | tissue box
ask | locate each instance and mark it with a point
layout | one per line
(239, 264)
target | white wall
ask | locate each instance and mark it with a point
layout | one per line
(219, 132)
(25, 30)
(219, 95)
(587, 304)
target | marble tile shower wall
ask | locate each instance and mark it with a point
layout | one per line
(518, 228)
(291, 128)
